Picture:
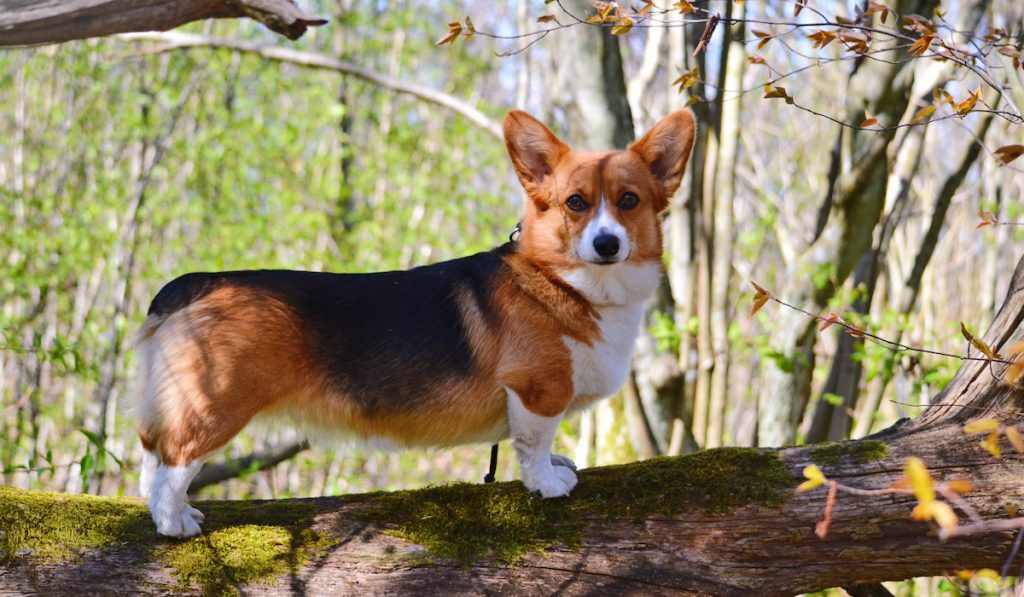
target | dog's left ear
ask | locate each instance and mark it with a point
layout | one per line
(666, 149)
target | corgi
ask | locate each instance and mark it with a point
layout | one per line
(501, 344)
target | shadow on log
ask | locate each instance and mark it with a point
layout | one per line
(720, 522)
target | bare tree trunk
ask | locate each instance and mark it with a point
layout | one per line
(850, 214)
(724, 222)
(721, 522)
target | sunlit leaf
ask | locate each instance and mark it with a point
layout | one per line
(920, 480)
(987, 573)
(981, 426)
(944, 515)
(983, 348)
(814, 476)
(991, 445)
(965, 107)
(922, 114)
(941, 96)
(1013, 435)
(760, 289)
(623, 27)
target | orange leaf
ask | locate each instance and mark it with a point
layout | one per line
(755, 59)
(760, 289)
(798, 6)
(831, 319)
(941, 96)
(965, 107)
(546, 18)
(869, 120)
(625, 24)
(684, 7)
(921, 46)
(759, 301)
(944, 515)
(822, 38)
(880, 8)
(777, 92)
(1008, 153)
(454, 30)
(960, 485)
(923, 113)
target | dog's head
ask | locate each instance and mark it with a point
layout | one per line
(596, 208)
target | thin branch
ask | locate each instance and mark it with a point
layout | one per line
(174, 40)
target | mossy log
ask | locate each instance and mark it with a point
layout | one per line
(720, 522)
(52, 21)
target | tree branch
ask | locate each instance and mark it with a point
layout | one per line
(212, 474)
(52, 21)
(176, 40)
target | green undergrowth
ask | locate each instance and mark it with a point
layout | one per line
(465, 522)
(860, 452)
(242, 542)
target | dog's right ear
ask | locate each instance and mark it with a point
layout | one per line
(533, 148)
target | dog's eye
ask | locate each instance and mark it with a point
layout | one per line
(628, 201)
(576, 202)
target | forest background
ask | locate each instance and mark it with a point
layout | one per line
(127, 161)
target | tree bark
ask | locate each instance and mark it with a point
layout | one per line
(52, 21)
(766, 547)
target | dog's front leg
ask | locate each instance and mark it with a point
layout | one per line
(532, 437)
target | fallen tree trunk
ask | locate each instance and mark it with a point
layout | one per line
(720, 522)
(51, 21)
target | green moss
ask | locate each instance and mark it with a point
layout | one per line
(863, 451)
(465, 522)
(48, 526)
(242, 542)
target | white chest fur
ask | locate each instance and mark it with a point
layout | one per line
(618, 294)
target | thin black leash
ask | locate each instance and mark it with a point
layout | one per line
(489, 477)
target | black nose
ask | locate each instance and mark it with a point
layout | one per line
(606, 245)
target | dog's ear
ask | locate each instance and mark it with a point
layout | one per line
(533, 148)
(666, 149)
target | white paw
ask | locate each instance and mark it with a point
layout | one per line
(195, 514)
(559, 460)
(556, 481)
(180, 524)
